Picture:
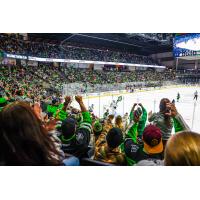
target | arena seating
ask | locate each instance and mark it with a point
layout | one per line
(11, 44)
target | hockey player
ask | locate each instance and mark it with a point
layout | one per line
(105, 115)
(91, 108)
(195, 95)
(113, 107)
(178, 97)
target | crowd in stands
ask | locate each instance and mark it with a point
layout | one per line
(188, 76)
(45, 78)
(159, 36)
(53, 132)
(188, 72)
(10, 44)
(99, 77)
(39, 127)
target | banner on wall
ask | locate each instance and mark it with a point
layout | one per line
(8, 61)
(23, 62)
(15, 56)
(56, 64)
(141, 68)
(32, 63)
(98, 67)
(131, 68)
(81, 62)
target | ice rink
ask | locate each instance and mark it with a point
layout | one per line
(150, 100)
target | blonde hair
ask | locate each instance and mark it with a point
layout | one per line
(110, 119)
(183, 149)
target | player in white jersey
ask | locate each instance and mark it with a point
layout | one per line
(91, 108)
(113, 107)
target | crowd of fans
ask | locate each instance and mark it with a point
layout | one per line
(11, 44)
(188, 76)
(159, 36)
(105, 77)
(52, 132)
(45, 78)
(188, 72)
(39, 127)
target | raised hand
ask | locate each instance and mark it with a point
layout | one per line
(140, 105)
(51, 125)
(135, 104)
(68, 99)
(79, 99)
(172, 111)
(150, 114)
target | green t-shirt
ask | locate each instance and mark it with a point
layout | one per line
(52, 109)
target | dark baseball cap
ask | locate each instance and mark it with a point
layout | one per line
(152, 138)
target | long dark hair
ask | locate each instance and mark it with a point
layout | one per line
(163, 110)
(23, 139)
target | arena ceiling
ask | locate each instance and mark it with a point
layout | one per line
(129, 42)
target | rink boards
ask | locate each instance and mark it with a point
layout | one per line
(123, 92)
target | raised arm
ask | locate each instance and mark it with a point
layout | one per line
(86, 115)
(79, 99)
(131, 113)
(67, 102)
(179, 122)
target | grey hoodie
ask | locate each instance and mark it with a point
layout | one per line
(158, 120)
(150, 162)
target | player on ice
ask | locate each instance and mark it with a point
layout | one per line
(91, 108)
(105, 115)
(195, 95)
(113, 105)
(178, 97)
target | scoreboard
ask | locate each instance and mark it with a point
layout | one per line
(186, 45)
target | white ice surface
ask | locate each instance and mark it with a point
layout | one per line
(151, 99)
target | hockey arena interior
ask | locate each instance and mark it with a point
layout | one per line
(94, 99)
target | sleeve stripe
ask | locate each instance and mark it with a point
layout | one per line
(86, 124)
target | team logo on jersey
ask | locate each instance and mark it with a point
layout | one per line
(79, 136)
(134, 148)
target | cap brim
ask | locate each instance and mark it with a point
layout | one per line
(153, 150)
